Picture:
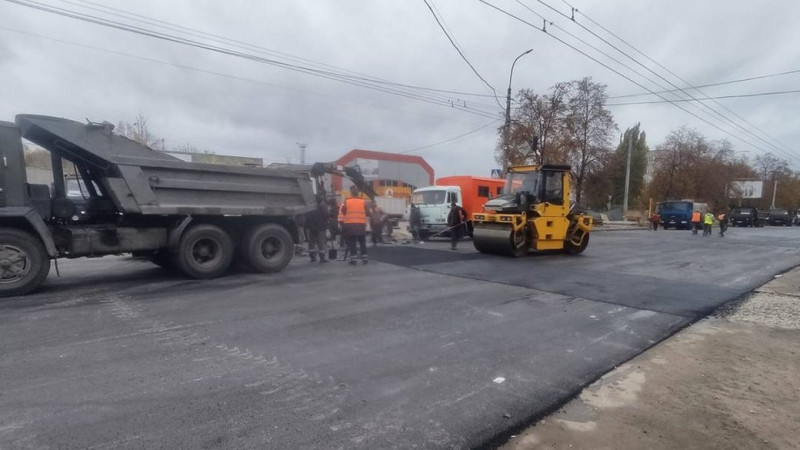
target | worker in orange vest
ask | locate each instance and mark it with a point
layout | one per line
(354, 225)
(696, 219)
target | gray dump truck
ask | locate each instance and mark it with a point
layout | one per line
(194, 217)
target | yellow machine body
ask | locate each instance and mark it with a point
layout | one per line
(534, 213)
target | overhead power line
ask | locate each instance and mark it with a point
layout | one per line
(780, 146)
(704, 120)
(117, 12)
(758, 94)
(740, 80)
(683, 91)
(364, 82)
(193, 69)
(461, 53)
(452, 139)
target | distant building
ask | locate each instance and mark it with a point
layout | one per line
(290, 166)
(213, 158)
(391, 174)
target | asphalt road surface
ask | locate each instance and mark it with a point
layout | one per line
(423, 347)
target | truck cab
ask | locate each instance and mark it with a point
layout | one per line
(678, 213)
(470, 192)
(434, 206)
(111, 195)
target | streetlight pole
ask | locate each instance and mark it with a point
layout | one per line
(627, 177)
(508, 109)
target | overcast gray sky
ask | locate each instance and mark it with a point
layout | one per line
(61, 66)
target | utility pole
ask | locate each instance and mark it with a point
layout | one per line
(507, 124)
(627, 177)
(302, 146)
(774, 192)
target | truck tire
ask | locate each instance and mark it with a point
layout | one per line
(205, 251)
(24, 263)
(267, 248)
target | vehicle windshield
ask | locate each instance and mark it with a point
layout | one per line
(429, 197)
(76, 188)
(675, 207)
(523, 181)
(779, 212)
(742, 211)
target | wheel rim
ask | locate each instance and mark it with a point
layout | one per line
(271, 248)
(206, 252)
(14, 264)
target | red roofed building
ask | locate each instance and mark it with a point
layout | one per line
(391, 174)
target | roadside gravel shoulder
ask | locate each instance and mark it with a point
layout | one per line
(728, 381)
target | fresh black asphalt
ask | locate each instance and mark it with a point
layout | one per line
(422, 348)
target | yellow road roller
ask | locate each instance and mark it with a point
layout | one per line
(534, 213)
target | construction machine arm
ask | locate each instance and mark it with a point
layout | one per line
(353, 173)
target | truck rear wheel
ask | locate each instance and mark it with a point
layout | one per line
(205, 251)
(267, 248)
(24, 263)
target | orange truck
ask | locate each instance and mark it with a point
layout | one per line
(468, 191)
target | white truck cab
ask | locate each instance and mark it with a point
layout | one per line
(434, 206)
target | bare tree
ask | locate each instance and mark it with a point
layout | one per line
(537, 127)
(139, 132)
(770, 166)
(590, 127)
(187, 148)
(689, 166)
(674, 175)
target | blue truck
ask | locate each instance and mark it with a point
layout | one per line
(678, 213)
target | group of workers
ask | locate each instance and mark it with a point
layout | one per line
(699, 220)
(706, 221)
(349, 222)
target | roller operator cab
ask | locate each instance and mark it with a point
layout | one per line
(533, 213)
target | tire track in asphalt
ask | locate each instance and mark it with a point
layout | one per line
(290, 389)
(279, 381)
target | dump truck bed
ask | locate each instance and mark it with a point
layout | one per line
(140, 180)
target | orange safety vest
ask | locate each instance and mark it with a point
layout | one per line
(696, 216)
(356, 210)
